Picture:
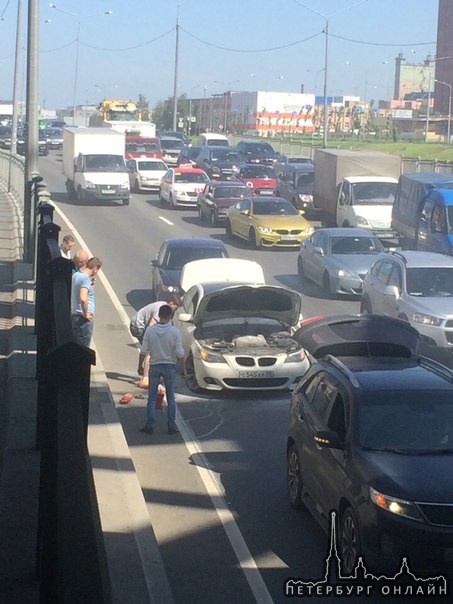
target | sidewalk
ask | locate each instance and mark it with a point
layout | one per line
(136, 570)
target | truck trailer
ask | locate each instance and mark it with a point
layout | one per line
(94, 166)
(356, 188)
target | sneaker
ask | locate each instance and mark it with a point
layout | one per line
(173, 431)
(147, 429)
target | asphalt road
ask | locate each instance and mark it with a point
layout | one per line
(216, 494)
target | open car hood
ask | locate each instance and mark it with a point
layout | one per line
(250, 301)
(358, 335)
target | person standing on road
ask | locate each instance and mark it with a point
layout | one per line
(148, 315)
(66, 246)
(80, 259)
(163, 343)
(82, 301)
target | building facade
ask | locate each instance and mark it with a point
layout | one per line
(444, 58)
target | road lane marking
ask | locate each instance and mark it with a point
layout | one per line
(208, 477)
(166, 220)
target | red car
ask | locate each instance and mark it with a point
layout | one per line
(142, 146)
(258, 178)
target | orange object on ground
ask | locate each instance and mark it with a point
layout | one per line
(126, 398)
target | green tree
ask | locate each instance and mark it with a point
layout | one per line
(163, 112)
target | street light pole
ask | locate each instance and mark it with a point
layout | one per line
(449, 109)
(427, 108)
(326, 55)
(175, 81)
(76, 70)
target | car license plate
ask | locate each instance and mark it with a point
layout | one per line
(255, 374)
(107, 191)
(288, 238)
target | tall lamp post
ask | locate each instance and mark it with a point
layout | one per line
(326, 55)
(449, 108)
(175, 78)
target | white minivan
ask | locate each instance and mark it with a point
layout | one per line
(213, 139)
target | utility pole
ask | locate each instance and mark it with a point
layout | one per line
(175, 83)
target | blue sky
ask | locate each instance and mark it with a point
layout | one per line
(274, 45)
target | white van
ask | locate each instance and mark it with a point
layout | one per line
(213, 139)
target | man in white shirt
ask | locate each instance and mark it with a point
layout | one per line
(66, 246)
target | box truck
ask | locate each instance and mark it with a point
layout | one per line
(94, 166)
(356, 188)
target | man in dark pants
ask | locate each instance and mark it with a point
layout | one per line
(163, 343)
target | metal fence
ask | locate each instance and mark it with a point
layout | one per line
(71, 561)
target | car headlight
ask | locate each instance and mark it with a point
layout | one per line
(361, 220)
(306, 198)
(426, 319)
(263, 229)
(144, 178)
(211, 357)
(394, 505)
(181, 193)
(124, 185)
(341, 272)
(296, 357)
(308, 230)
(90, 185)
(173, 289)
(235, 169)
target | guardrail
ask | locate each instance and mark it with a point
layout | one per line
(71, 560)
(12, 176)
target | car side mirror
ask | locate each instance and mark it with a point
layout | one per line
(245, 212)
(328, 439)
(154, 262)
(392, 291)
(319, 250)
(208, 195)
(301, 212)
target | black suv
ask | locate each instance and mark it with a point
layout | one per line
(256, 152)
(371, 438)
(188, 155)
(219, 162)
(295, 183)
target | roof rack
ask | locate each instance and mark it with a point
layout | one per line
(436, 367)
(342, 367)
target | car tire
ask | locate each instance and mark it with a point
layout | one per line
(294, 478)
(228, 230)
(349, 541)
(326, 284)
(365, 307)
(252, 240)
(126, 201)
(300, 268)
(191, 378)
(213, 218)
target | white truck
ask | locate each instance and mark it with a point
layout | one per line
(132, 127)
(356, 188)
(94, 166)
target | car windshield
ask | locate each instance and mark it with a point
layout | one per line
(143, 148)
(430, 282)
(176, 258)
(190, 177)
(99, 163)
(406, 420)
(172, 145)
(355, 245)
(231, 192)
(304, 179)
(374, 192)
(224, 155)
(263, 148)
(152, 165)
(274, 208)
(257, 172)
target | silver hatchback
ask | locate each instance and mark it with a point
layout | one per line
(416, 287)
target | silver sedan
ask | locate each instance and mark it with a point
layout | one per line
(337, 259)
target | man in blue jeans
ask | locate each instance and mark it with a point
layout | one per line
(163, 343)
(82, 301)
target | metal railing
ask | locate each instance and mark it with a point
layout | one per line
(71, 561)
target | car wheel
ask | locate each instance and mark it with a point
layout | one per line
(252, 240)
(228, 230)
(349, 541)
(300, 267)
(213, 218)
(365, 308)
(191, 378)
(293, 478)
(126, 201)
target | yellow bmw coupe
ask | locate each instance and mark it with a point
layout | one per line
(269, 222)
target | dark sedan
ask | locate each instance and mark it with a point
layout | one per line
(217, 197)
(173, 255)
(256, 152)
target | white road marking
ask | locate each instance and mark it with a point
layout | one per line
(208, 477)
(166, 220)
